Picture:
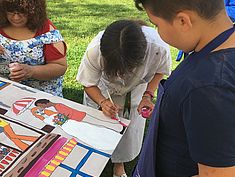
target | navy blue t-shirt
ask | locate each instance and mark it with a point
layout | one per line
(197, 116)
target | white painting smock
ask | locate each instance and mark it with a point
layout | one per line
(90, 73)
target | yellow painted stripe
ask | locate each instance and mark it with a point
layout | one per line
(58, 157)
(63, 153)
(73, 142)
(68, 149)
(45, 173)
(55, 162)
(70, 145)
(49, 167)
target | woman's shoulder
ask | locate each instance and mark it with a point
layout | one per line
(151, 34)
(4, 34)
(153, 38)
(94, 45)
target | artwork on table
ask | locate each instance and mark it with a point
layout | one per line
(22, 105)
(7, 157)
(41, 134)
(20, 135)
(16, 138)
(3, 84)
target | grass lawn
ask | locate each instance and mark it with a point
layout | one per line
(79, 21)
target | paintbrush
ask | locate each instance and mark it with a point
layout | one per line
(118, 118)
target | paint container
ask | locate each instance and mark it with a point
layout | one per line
(145, 112)
(12, 66)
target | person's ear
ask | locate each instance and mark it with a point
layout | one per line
(183, 21)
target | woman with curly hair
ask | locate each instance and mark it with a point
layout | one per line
(32, 50)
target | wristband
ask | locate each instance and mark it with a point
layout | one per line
(151, 94)
(147, 96)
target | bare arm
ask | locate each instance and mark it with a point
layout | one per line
(51, 70)
(107, 107)
(152, 86)
(207, 171)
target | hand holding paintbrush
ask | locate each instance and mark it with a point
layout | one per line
(116, 114)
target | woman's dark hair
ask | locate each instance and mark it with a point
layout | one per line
(41, 101)
(35, 10)
(167, 9)
(123, 46)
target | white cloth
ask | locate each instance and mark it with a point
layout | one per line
(90, 73)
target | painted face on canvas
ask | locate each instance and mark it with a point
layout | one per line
(17, 19)
(42, 105)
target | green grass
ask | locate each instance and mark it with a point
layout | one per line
(79, 21)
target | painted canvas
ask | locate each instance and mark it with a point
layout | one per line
(40, 134)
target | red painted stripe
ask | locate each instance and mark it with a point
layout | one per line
(2, 167)
(4, 162)
(8, 158)
(12, 155)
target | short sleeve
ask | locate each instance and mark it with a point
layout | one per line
(50, 52)
(90, 69)
(158, 56)
(209, 119)
(162, 56)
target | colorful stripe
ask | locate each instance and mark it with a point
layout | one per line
(78, 171)
(47, 156)
(32, 156)
(8, 159)
(18, 153)
(61, 155)
(75, 172)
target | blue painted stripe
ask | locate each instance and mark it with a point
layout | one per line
(83, 161)
(94, 150)
(2, 83)
(74, 172)
(77, 171)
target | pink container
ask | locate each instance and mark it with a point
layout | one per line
(145, 112)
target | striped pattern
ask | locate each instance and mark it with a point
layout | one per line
(21, 105)
(7, 160)
(59, 158)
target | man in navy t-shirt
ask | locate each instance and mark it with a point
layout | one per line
(192, 131)
(197, 125)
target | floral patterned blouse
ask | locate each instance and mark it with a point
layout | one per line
(31, 52)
